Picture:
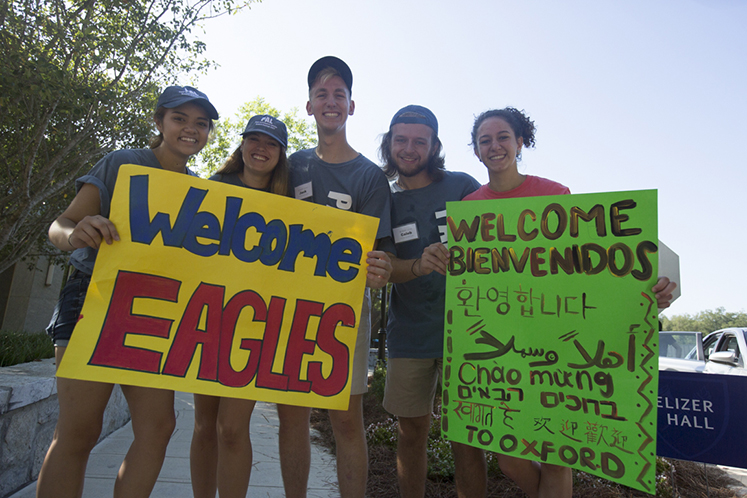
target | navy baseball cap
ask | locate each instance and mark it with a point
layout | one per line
(270, 126)
(336, 64)
(174, 96)
(428, 118)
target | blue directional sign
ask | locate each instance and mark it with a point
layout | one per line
(701, 418)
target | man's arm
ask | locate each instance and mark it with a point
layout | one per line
(435, 257)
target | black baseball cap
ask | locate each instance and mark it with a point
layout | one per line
(428, 119)
(174, 96)
(336, 64)
(270, 126)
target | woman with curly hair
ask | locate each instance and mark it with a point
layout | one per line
(498, 137)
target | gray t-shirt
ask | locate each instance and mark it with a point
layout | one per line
(104, 176)
(416, 308)
(230, 178)
(234, 179)
(358, 186)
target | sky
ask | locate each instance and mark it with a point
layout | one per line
(625, 96)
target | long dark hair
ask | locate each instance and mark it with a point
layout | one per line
(436, 162)
(279, 180)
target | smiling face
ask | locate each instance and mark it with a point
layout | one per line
(330, 104)
(261, 154)
(497, 146)
(185, 130)
(411, 148)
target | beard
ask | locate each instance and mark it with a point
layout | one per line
(411, 172)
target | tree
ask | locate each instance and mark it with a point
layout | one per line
(705, 321)
(226, 136)
(79, 78)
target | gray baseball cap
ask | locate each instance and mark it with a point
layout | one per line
(174, 96)
(428, 119)
(269, 125)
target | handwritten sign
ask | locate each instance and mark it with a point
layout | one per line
(222, 290)
(550, 341)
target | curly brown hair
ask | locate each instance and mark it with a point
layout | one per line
(522, 126)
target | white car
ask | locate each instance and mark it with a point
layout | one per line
(721, 352)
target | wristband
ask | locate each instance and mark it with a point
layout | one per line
(412, 268)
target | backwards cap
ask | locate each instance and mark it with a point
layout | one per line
(428, 118)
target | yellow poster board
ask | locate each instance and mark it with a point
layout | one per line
(223, 290)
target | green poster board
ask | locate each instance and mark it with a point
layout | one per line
(551, 331)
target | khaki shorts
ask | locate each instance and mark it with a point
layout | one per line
(359, 382)
(411, 385)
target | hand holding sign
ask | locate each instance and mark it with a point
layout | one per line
(550, 341)
(226, 291)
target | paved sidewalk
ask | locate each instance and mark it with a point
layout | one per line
(174, 482)
(266, 482)
(739, 475)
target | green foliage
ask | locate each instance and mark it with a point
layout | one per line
(663, 479)
(227, 134)
(440, 457)
(705, 321)
(378, 382)
(79, 78)
(20, 347)
(382, 434)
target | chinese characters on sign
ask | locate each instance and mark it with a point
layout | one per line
(551, 331)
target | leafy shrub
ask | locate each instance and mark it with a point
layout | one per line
(378, 381)
(383, 433)
(20, 347)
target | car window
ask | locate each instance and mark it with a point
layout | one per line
(730, 344)
(676, 345)
(709, 344)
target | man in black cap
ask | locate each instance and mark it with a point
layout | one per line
(334, 174)
(412, 154)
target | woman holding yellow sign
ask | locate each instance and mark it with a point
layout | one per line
(221, 451)
(183, 118)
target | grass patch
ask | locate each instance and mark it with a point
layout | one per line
(21, 347)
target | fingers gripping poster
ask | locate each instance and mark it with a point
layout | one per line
(551, 329)
(222, 290)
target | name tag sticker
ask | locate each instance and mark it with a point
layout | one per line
(304, 191)
(404, 233)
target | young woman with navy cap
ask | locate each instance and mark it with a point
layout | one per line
(221, 451)
(184, 119)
